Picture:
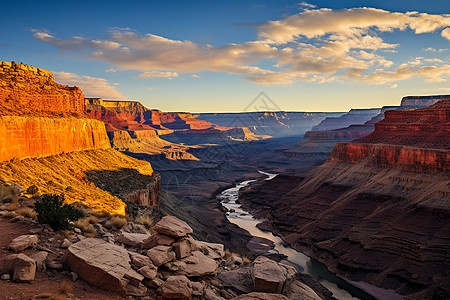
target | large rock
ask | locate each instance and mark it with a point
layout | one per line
(198, 265)
(172, 226)
(21, 266)
(212, 250)
(104, 265)
(239, 280)
(140, 260)
(261, 296)
(300, 291)
(160, 255)
(176, 287)
(157, 239)
(182, 248)
(268, 276)
(132, 239)
(40, 259)
(22, 242)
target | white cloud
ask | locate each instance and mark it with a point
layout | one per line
(195, 76)
(156, 74)
(315, 45)
(110, 71)
(446, 33)
(306, 5)
(91, 86)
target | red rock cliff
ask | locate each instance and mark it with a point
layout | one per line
(414, 140)
(39, 117)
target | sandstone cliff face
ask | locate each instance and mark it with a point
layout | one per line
(26, 90)
(421, 101)
(39, 117)
(25, 137)
(132, 115)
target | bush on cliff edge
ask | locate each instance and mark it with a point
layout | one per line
(52, 210)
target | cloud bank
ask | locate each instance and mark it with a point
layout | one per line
(315, 45)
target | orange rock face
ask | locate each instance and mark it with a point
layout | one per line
(132, 115)
(39, 117)
(24, 137)
(415, 140)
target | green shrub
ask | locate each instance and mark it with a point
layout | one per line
(32, 190)
(52, 210)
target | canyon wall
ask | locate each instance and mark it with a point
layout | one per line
(414, 140)
(39, 117)
(421, 101)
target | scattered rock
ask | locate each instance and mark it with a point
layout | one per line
(132, 239)
(77, 230)
(36, 230)
(6, 277)
(100, 263)
(157, 239)
(175, 265)
(160, 255)
(55, 264)
(172, 226)
(197, 288)
(299, 290)
(233, 262)
(153, 283)
(74, 276)
(176, 287)
(261, 296)
(66, 243)
(40, 258)
(22, 267)
(22, 242)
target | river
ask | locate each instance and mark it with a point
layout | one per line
(341, 289)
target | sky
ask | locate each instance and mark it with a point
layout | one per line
(217, 56)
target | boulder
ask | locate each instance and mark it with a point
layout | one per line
(299, 290)
(261, 296)
(148, 272)
(239, 280)
(198, 265)
(175, 265)
(66, 243)
(40, 258)
(182, 248)
(102, 264)
(172, 226)
(176, 287)
(197, 288)
(212, 250)
(140, 260)
(22, 242)
(132, 239)
(233, 262)
(269, 276)
(153, 283)
(157, 239)
(21, 266)
(211, 295)
(160, 255)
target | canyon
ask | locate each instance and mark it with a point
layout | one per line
(377, 210)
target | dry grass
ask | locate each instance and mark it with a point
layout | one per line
(8, 193)
(146, 220)
(69, 170)
(66, 287)
(246, 261)
(119, 221)
(85, 225)
(27, 212)
(92, 220)
(13, 206)
(10, 215)
(229, 254)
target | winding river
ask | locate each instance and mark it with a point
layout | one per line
(341, 289)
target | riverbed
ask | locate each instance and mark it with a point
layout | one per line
(340, 288)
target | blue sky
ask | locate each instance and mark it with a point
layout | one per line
(215, 56)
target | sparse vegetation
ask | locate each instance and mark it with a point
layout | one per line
(13, 206)
(229, 254)
(27, 212)
(145, 220)
(204, 250)
(52, 210)
(8, 193)
(119, 221)
(85, 225)
(246, 261)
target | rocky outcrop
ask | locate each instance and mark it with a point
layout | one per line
(39, 117)
(421, 101)
(27, 90)
(414, 140)
(354, 116)
(148, 196)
